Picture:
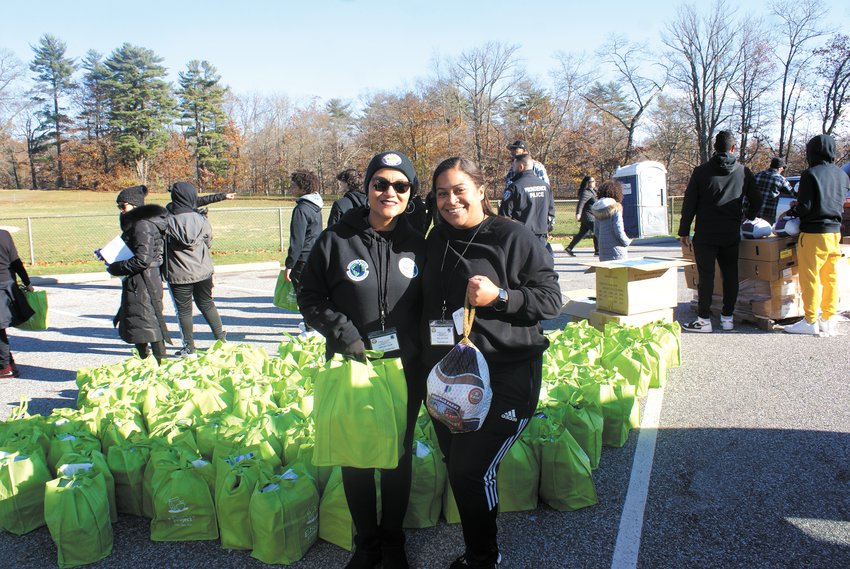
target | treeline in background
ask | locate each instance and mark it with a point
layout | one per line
(102, 122)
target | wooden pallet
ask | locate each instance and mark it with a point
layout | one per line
(743, 315)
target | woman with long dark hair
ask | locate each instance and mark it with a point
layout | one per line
(586, 198)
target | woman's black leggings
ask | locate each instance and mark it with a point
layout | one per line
(201, 292)
(582, 231)
(158, 349)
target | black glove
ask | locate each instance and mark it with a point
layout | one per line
(356, 350)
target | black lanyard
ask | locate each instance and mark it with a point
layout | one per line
(382, 274)
(444, 282)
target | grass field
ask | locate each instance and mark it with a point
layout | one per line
(67, 226)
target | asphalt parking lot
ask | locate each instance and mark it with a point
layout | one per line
(743, 459)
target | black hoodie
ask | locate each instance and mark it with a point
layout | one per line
(352, 199)
(823, 186)
(511, 256)
(341, 285)
(715, 195)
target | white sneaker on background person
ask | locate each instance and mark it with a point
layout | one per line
(702, 325)
(827, 328)
(803, 327)
(727, 323)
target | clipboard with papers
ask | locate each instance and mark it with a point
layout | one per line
(114, 251)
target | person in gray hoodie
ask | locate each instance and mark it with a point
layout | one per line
(608, 228)
(188, 264)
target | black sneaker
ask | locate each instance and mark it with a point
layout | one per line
(699, 325)
(394, 557)
(462, 563)
(570, 252)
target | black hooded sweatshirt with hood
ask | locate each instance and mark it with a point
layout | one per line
(188, 238)
(715, 195)
(822, 189)
(304, 228)
(353, 270)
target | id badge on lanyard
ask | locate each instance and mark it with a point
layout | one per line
(384, 341)
(442, 332)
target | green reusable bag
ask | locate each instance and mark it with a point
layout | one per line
(127, 462)
(566, 482)
(94, 460)
(585, 423)
(236, 480)
(518, 479)
(360, 413)
(76, 511)
(620, 412)
(633, 363)
(22, 480)
(284, 513)
(335, 524)
(284, 293)
(74, 442)
(183, 508)
(160, 457)
(38, 302)
(427, 487)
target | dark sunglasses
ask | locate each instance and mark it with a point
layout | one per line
(381, 185)
(121, 206)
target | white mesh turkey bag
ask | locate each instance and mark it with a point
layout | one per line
(756, 229)
(787, 226)
(459, 392)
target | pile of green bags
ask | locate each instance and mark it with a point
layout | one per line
(235, 445)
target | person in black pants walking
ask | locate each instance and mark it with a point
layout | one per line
(188, 264)
(586, 199)
(715, 196)
(13, 304)
(499, 267)
(361, 284)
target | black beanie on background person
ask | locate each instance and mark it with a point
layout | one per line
(134, 195)
(184, 198)
(395, 161)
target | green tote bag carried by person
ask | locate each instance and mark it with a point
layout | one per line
(360, 411)
(76, 510)
(22, 479)
(38, 302)
(284, 293)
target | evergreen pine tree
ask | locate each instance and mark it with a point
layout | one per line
(140, 105)
(202, 113)
(54, 79)
(94, 104)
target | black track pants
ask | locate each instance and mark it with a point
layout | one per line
(727, 259)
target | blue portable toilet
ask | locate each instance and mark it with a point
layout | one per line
(644, 198)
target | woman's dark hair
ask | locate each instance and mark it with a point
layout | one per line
(469, 168)
(352, 178)
(305, 180)
(585, 182)
(611, 189)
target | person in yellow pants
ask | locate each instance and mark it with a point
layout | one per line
(820, 203)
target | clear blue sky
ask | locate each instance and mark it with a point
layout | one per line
(340, 48)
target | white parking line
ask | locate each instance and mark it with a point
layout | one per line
(631, 522)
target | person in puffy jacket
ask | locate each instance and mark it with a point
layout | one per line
(188, 264)
(361, 288)
(139, 319)
(608, 228)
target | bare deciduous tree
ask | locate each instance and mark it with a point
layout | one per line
(705, 59)
(834, 71)
(800, 25)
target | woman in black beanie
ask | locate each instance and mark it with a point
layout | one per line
(360, 286)
(139, 319)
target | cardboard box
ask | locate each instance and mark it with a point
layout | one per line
(688, 251)
(767, 270)
(845, 240)
(692, 277)
(598, 318)
(768, 249)
(631, 286)
(580, 303)
(770, 289)
(778, 308)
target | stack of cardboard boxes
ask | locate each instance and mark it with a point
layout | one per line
(631, 292)
(769, 285)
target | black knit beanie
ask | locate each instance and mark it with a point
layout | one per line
(395, 161)
(134, 195)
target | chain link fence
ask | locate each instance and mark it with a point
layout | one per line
(66, 243)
